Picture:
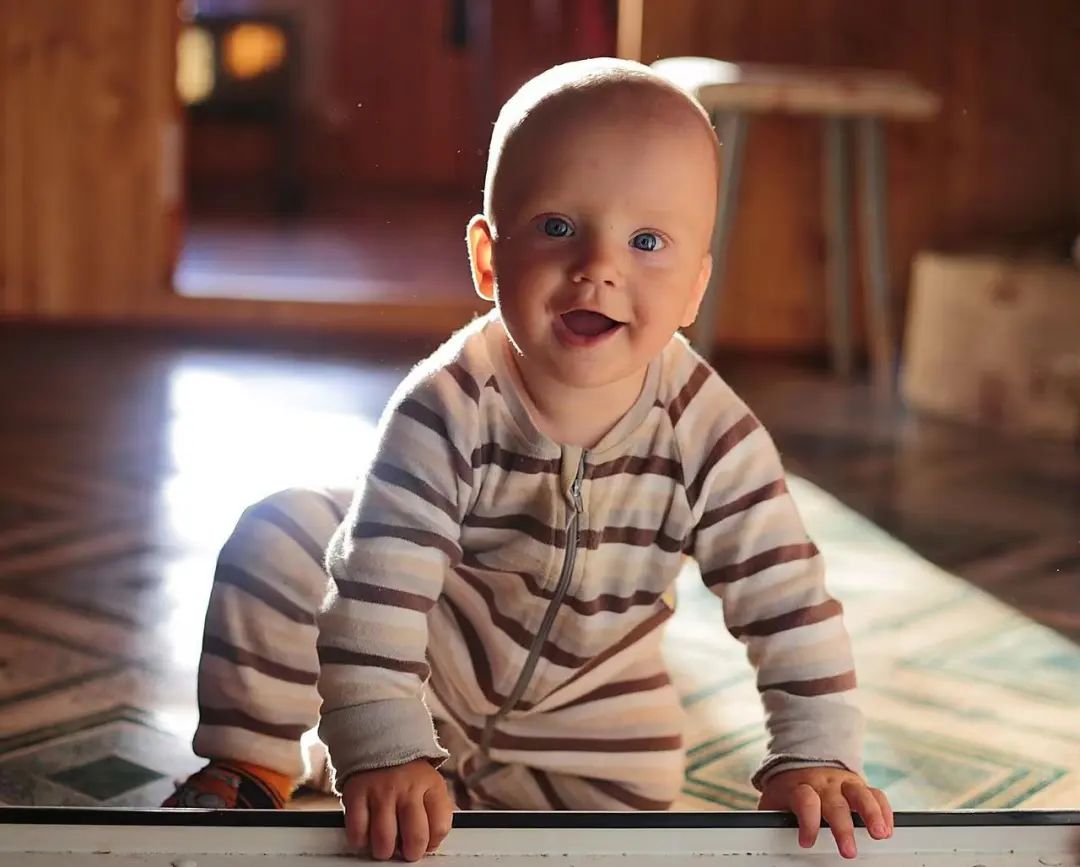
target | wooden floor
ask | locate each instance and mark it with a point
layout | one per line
(94, 422)
(125, 459)
(377, 248)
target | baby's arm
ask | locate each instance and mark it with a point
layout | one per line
(387, 562)
(755, 555)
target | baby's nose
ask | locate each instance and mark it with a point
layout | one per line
(597, 264)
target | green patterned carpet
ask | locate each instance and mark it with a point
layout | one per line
(969, 704)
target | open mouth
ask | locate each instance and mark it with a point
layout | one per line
(589, 323)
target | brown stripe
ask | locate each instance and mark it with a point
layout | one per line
(246, 659)
(488, 800)
(493, 383)
(515, 631)
(603, 602)
(478, 656)
(791, 620)
(363, 591)
(820, 686)
(329, 655)
(648, 625)
(547, 788)
(423, 538)
(473, 733)
(520, 523)
(407, 481)
(412, 408)
(466, 382)
(637, 465)
(689, 391)
(494, 454)
(237, 719)
(265, 511)
(759, 563)
(236, 577)
(746, 501)
(727, 441)
(333, 505)
(619, 688)
(627, 797)
(639, 537)
(656, 744)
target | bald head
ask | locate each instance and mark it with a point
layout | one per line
(597, 93)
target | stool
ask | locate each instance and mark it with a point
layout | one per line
(731, 94)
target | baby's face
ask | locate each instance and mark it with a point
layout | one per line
(602, 224)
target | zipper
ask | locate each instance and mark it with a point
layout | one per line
(565, 575)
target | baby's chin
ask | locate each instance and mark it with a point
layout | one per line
(595, 373)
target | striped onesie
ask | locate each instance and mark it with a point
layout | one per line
(497, 598)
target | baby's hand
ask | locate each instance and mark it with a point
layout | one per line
(408, 803)
(811, 793)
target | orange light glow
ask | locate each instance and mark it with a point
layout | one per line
(251, 50)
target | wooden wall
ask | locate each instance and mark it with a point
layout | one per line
(85, 113)
(87, 230)
(1000, 163)
(407, 89)
(90, 180)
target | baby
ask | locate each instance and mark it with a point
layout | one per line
(499, 582)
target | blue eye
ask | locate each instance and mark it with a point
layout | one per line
(647, 241)
(557, 227)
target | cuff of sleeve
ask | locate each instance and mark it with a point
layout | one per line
(774, 765)
(381, 734)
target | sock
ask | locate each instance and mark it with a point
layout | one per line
(225, 784)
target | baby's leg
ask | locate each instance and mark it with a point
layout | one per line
(258, 668)
(618, 746)
(519, 787)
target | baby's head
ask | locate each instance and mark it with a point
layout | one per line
(598, 212)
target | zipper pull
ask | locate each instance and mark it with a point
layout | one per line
(575, 494)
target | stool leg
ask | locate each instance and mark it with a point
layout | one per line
(837, 213)
(733, 137)
(882, 338)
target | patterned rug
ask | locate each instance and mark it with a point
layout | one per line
(969, 704)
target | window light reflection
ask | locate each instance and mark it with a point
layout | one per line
(234, 440)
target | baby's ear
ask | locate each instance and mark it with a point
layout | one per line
(693, 302)
(479, 239)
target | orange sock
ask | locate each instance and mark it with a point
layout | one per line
(227, 784)
(280, 784)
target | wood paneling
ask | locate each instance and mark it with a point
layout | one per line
(88, 182)
(1000, 163)
(87, 108)
(415, 109)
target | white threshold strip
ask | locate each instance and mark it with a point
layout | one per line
(186, 837)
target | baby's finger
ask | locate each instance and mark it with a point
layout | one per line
(356, 822)
(412, 826)
(886, 810)
(440, 813)
(863, 802)
(838, 814)
(806, 805)
(382, 828)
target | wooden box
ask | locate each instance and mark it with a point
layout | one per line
(995, 341)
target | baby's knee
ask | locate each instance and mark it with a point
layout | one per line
(303, 506)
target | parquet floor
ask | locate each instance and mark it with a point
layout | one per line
(125, 458)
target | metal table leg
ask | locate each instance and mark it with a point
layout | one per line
(882, 337)
(837, 217)
(733, 138)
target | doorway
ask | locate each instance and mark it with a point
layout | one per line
(335, 149)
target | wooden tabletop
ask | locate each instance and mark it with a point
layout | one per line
(762, 89)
